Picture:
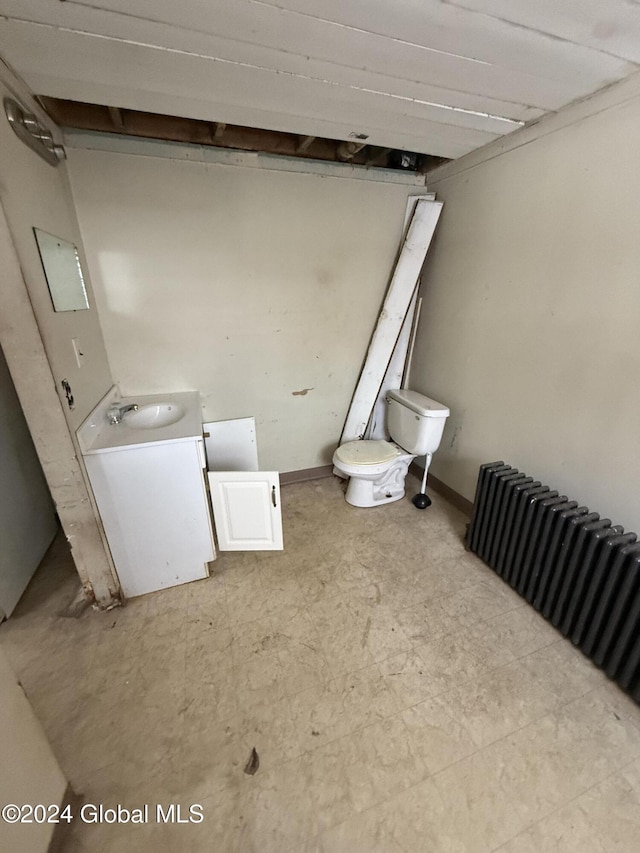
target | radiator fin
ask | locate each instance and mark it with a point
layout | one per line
(580, 571)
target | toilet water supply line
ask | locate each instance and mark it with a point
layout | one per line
(427, 462)
(412, 340)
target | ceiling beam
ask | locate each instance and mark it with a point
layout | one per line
(305, 142)
(348, 150)
(116, 117)
(197, 132)
(378, 155)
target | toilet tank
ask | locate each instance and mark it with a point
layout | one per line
(415, 422)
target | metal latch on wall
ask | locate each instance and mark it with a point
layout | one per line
(27, 127)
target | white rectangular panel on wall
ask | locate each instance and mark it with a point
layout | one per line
(231, 445)
(246, 510)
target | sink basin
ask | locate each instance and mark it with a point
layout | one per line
(154, 415)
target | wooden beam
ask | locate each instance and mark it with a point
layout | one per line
(116, 117)
(348, 150)
(198, 132)
(305, 142)
(377, 156)
(396, 304)
(60, 458)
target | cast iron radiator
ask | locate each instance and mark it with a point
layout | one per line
(580, 571)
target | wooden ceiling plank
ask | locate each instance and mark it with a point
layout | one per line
(612, 27)
(433, 139)
(423, 37)
(426, 22)
(349, 57)
(82, 63)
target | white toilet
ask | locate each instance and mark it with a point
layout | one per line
(377, 469)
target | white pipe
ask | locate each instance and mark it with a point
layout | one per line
(412, 340)
(427, 463)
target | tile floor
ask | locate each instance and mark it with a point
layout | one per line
(399, 695)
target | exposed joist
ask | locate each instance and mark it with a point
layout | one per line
(348, 150)
(116, 118)
(305, 142)
(377, 156)
(217, 129)
(72, 114)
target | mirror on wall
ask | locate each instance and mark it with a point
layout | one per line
(63, 272)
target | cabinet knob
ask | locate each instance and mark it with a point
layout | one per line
(273, 495)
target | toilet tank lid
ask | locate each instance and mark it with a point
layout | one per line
(419, 403)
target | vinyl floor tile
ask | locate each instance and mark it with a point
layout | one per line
(400, 697)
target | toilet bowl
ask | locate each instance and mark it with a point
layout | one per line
(376, 468)
(376, 471)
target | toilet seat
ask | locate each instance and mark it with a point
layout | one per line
(376, 471)
(367, 452)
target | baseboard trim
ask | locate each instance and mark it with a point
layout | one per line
(305, 474)
(455, 498)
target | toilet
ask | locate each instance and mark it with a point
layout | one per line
(377, 469)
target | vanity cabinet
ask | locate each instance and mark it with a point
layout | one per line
(153, 503)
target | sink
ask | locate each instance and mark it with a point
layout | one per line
(172, 416)
(154, 415)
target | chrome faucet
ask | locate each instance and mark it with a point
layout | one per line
(116, 413)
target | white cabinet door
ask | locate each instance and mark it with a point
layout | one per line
(231, 445)
(246, 510)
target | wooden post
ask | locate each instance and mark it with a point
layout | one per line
(31, 373)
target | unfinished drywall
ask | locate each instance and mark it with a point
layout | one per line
(35, 194)
(257, 287)
(529, 324)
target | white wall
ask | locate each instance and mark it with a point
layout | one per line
(35, 194)
(259, 288)
(529, 328)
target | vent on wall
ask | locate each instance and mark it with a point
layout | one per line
(580, 571)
